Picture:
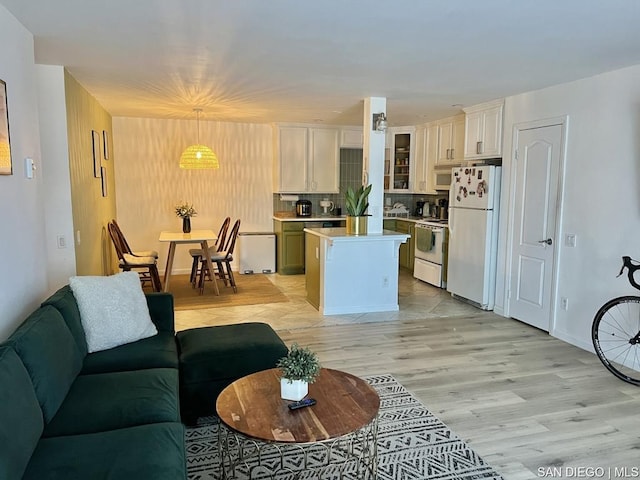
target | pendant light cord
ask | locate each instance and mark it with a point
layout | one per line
(198, 110)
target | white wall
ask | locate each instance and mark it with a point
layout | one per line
(23, 281)
(149, 182)
(61, 262)
(601, 203)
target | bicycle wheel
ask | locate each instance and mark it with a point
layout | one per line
(616, 337)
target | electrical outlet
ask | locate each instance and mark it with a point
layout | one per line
(564, 303)
(385, 281)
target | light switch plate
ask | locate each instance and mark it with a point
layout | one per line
(570, 240)
(29, 167)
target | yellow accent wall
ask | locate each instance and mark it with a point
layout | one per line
(91, 211)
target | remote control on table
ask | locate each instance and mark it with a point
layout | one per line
(306, 402)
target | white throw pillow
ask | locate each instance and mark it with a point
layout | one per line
(113, 310)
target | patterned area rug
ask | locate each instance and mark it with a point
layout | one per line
(412, 443)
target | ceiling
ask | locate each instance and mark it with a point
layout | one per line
(315, 61)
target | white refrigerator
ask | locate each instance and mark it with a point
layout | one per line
(474, 200)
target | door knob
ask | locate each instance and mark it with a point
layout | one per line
(548, 241)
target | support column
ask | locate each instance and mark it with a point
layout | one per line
(373, 161)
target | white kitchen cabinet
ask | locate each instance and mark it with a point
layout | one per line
(483, 131)
(290, 169)
(425, 158)
(324, 161)
(306, 160)
(450, 141)
(399, 158)
(352, 137)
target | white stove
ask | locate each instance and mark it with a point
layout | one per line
(430, 263)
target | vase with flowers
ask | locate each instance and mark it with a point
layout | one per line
(186, 211)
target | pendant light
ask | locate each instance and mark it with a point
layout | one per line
(198, 157)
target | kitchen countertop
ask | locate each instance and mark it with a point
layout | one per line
(314, 218)
(340, 234)
(412, 219)
(327, 218)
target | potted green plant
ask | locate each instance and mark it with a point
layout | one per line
(299, 368)
(356, 203)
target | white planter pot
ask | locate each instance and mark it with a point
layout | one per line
(293, 389)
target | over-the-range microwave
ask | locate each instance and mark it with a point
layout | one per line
(442, 178)
(443, 174)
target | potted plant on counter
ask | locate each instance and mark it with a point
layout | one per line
(356, 203)
(299, 368)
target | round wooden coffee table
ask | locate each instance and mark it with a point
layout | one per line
(260, 437)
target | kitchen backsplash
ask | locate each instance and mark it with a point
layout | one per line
(350, 175)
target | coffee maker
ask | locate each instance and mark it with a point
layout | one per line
(443, 203)
(303, 208)
(420, 208)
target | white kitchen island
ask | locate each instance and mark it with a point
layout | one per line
(352, 274)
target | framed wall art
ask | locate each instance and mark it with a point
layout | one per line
(5, 143)
(103, 178)
(97, 154)
(105, 145)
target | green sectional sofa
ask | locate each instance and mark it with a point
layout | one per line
(114, 414)
(68, 414)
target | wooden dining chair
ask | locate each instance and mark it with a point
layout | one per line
(222, 260)
(137, 253)
(146, 267)
(196, 253)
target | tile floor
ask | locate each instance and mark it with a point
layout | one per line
(416, 299)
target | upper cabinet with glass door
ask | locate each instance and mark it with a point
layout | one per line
(399, 155)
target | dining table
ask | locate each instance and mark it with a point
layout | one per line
(195, 236)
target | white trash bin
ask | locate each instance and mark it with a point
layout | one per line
(257, 252)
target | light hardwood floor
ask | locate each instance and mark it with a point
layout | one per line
(526, 402)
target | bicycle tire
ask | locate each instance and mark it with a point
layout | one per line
(614, 326)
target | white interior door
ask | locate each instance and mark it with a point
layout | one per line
(537, 167)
